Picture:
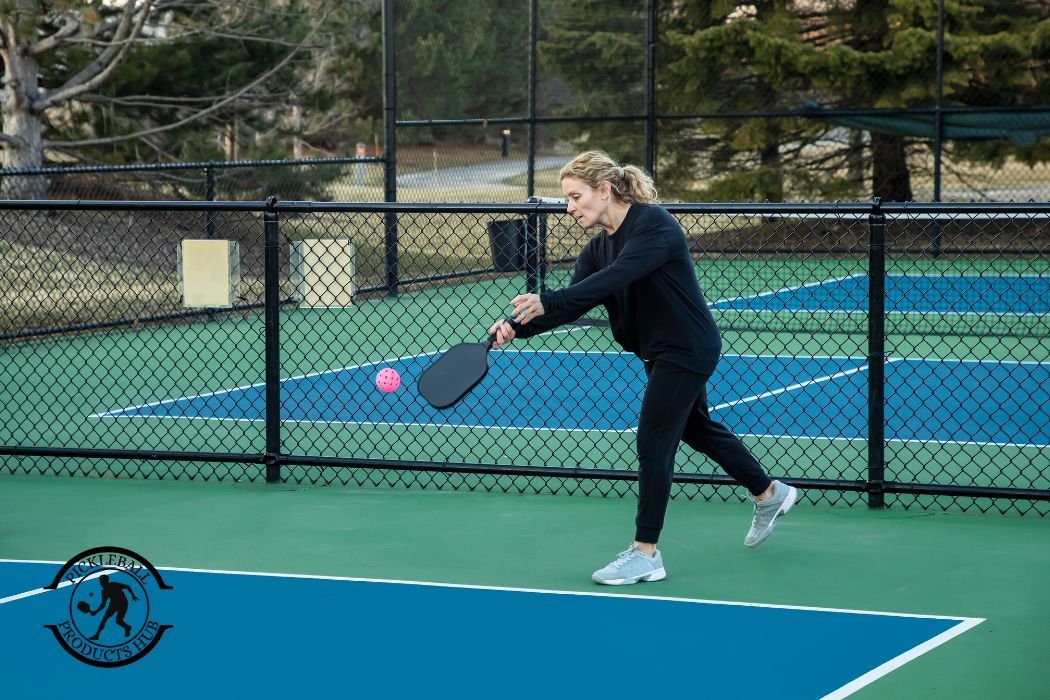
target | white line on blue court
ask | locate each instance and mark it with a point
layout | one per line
(119, 413)
(793, 387)
(38, 591)
(774, 292)
(961, 624)
(512, 589)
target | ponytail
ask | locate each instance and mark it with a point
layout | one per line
(628, 183)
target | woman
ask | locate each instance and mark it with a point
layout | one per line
(640, 269)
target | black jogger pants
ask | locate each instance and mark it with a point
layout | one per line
(674, 409)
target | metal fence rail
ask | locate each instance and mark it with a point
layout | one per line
(883, 354)
(358, 178)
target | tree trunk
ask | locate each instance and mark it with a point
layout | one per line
(890, 179)
(771, 188)
(855, 170)
(23, 126)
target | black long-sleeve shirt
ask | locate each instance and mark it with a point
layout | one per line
(644, 276)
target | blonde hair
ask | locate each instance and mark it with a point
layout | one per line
(629, 183)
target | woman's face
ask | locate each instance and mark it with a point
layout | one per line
(586, 204)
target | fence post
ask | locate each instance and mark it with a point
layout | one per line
(541, 253)
(209, 194)
(530, 167)
(532, 253)
(938, 126)
(390, 147)
(876, 355)
(538, 224)
(272, 299)
(650, 87)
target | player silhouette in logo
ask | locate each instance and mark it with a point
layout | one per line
(113, 595)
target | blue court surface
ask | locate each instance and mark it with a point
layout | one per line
(816, 397)
(956, 294)
(995, 402)
(271, 635)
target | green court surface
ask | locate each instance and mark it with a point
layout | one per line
(981, 559)
(952, 564)
(57, 391)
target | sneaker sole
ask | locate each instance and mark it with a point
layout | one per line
(789, 502)
(657, 575)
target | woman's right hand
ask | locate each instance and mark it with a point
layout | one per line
(504, 333)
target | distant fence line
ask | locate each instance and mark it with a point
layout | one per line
(500, 166)
(469, 156)
(341, 178)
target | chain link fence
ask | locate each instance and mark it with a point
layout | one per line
(894, 355)
(689, 94)
(552, 79)
(316, 179)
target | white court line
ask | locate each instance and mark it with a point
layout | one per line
(889, 312)
(116, 413)
(963, 623)
(626, 431)
(793, 387)
(850, 312)
(38, 591)
(446, 426)
(830, 280)
(896, 662)
(512, 589)
(35, 591)
(896, 441)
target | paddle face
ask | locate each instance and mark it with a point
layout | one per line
(455, 373)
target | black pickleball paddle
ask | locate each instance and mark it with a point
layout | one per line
(451, 377)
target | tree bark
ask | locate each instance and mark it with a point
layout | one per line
(890, 178)
(771, 189)
(23, 130)
(855, 166)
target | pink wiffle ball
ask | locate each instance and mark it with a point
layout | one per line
(388, 380)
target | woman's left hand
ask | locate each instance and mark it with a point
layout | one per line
(526, 307)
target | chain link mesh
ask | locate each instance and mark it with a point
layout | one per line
(102, 352)
(333, 179)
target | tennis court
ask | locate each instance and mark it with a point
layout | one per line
(994, 402)
(208, 488)
(381, 593)
(603, 391)
(348, 623)
(402, 542)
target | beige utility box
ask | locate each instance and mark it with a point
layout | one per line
(323, 272)
(209, 273)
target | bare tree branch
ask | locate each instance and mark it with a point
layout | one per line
(100, 69)
(159, 101)
(191, 118)
(68, 27)
(106, 28)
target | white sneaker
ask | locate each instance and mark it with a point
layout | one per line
(631, 566)
(767, 512)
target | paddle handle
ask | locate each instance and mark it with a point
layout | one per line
(492, 338)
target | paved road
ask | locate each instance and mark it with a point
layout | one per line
(491, 173)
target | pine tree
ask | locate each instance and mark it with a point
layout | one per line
(461, 59)
(777, 55)
(597, 49)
